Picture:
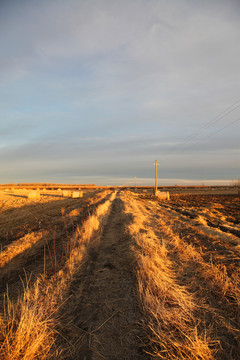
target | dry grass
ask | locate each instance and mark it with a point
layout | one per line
(190, 303)
(215, 276)
(11, 200)
(27, 327)
(26, 331)
(19, 246)
(168, 307)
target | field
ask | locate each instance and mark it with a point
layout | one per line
(119, 275)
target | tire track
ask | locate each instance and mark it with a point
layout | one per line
(103, 305)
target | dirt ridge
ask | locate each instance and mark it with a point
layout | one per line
(103, 296)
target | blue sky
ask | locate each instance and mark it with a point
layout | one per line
(94, 91)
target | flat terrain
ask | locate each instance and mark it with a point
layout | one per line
(35, 233)
(119, 275)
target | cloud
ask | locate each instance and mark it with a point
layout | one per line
(98, 82)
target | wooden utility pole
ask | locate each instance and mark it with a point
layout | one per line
(135, 181)
(156, 164)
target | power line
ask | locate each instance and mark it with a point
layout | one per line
(220, 116)
(209, 136)
(224, 127)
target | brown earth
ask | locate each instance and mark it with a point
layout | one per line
(35, 237)
(205, 262)
(103, 301)
(184, 304)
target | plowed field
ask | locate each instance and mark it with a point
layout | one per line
(119, 276)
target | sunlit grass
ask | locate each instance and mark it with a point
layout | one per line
(28, 326)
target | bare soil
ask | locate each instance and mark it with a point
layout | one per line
(103, 304)
(104, 315)
(48, 225)
(206, 261)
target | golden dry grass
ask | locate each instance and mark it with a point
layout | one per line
(184, 296)
(27, 327)
(26, 330)
(168, 307)
(214, 275)
(20, 245)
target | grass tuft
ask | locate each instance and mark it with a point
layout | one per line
(168, 307)
(27, 327)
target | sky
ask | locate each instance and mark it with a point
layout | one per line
(94, 91)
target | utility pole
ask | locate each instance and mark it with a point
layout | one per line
(135, 181)
(156, 164)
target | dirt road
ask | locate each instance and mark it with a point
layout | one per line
(103, 295)
(154, 280)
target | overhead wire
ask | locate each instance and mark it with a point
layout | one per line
(220, 116)
(217, 118)
(207, 137)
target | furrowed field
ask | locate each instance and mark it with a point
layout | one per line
(119, 275)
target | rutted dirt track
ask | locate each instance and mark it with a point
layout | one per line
(155, 280)
(104, 302)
